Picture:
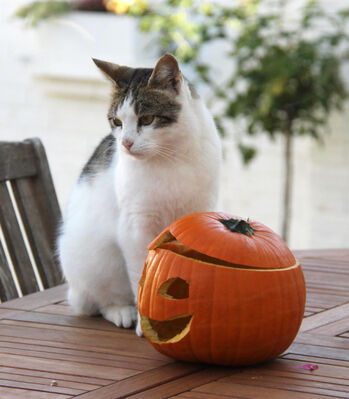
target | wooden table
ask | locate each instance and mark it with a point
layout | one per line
(47, 352)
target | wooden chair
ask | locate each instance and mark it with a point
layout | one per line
(29, 216)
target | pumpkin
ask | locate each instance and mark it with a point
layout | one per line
(219, 289)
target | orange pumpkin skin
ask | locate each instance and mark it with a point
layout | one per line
(241, 314)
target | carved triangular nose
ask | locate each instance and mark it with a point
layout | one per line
(127, 144)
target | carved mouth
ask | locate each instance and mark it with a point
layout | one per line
(176, 247)
(167, 331)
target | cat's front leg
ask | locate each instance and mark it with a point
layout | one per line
(134, 237)
(135, 266)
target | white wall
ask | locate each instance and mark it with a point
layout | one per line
(64, 101)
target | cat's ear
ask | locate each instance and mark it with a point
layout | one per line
(166, 75)
(119, 75)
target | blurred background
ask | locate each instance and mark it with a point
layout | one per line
(274, 75)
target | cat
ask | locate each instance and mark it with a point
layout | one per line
(161, 161)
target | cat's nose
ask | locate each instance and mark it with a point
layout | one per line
(127, 144)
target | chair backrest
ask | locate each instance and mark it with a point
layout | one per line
(29, 217)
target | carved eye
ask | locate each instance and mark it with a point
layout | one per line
(146, 120)
(115, 122)
(173, 329)
(174, 288)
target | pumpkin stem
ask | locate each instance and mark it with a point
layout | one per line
(238, 226)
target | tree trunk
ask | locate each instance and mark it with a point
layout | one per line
(288, 182)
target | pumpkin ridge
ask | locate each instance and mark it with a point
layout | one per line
(205, 233)
(181, 250)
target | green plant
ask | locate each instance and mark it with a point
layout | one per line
(285, 78)
(39, 10)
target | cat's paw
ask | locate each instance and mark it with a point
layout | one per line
(121, 316)
(139, 331)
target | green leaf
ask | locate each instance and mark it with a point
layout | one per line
(247, 153)
(37, 11)
(281, 76)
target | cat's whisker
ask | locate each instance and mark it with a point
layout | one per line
(173, 151)
(156, 149)
(170, 157)
(164, 154)
(167, 151)
(182, 155)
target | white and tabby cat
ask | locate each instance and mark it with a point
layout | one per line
(160, 162)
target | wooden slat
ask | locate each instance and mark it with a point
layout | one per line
(151, 359)
(31, 386)
(338, 373)
(45, 194)
(97, 323)
(43, 191)
(77, 354)
(48, 194)
(7, 313)
(57, 309)
(65, 379)
(16, 160)
(325, 300)
(327, 291)
(15, 243)
(184, 383)
(199, 395)
(37, 299)
(329, 253)
(331, 279)
(315, 359)
(221, 389)
(24, 165)
(325, 317)
(36, 230)
(73, 356)
(59, 382)
(65, 366)
(294, 380)
(331, 329)
(322, 340)
(8, 288)
(325, 265)
(320, 351)
(56, 321)
(125, 344)
(14, 393)
(150, 383)
(295, 385)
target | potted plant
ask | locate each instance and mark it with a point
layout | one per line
(282, 76)
(69, 32)
(39, 10)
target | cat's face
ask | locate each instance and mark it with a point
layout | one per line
(146, 107)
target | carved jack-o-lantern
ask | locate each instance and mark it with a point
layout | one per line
(220, 290)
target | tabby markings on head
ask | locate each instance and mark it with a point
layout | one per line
(147, 93)
(146, 100)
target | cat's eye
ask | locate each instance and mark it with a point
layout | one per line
(115, 122)
(146, 120)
